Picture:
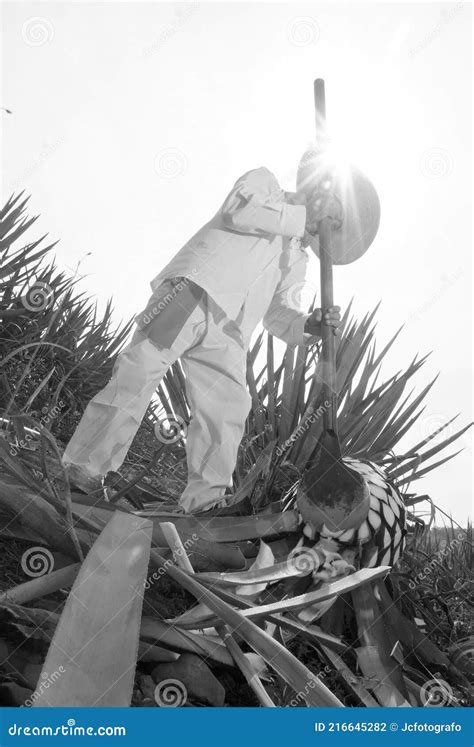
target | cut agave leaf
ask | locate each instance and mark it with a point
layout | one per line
(310, 632)
(198, 616)
(374, 654)
(102, 614)
(342, 586)
(248, 483)
(178, 639)
(42, 586)
(263, 560)
(260, 576)
(246, 666)
(296, 674)
(353, 683)
(221, 529)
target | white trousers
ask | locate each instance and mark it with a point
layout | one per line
(214, 361)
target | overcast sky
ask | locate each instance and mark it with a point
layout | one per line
(131, 121)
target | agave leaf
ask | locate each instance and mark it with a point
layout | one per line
(256, 403)
(260, 576)
(39, 388)
(241, 527)
(263, 560)
(390, 435)
(37, 514)
(341, 586)
(204, 553)
(175, 386)
(246, 666)
(42, 586)
(271, 388)
(410, 635)
(394, 474)
(353, 683)
(261, 465)
(420, 473)
(255, 349)
(147, 652)
(349, 355)
(101, 614)
(286, 417)
(298, 392)
(17, 351)
(383, 353)
(14, 467)
(435, 433)
(31, 622)
(178, 639)
(367, 435)
(407, 413)
(18, 231)
(355, 396)
(374, 655)
(311, 632)
(298, 676)
(198, 616)
(8, 207)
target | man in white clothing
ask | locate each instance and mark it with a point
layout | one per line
(244, 266)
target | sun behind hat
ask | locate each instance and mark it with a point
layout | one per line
(359, 200)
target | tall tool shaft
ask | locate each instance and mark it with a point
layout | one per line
(327, 294)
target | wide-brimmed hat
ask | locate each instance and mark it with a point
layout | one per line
(360, 205)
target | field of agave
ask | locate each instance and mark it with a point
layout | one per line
(119, 600)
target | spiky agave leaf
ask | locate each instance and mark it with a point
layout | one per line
(53, 345)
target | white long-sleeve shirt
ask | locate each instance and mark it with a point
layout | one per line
(249, 260)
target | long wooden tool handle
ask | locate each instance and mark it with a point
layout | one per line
(327, 296)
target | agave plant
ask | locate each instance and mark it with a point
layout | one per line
(55, 350)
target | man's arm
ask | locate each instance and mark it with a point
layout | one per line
(257, 206)
(283, 318)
